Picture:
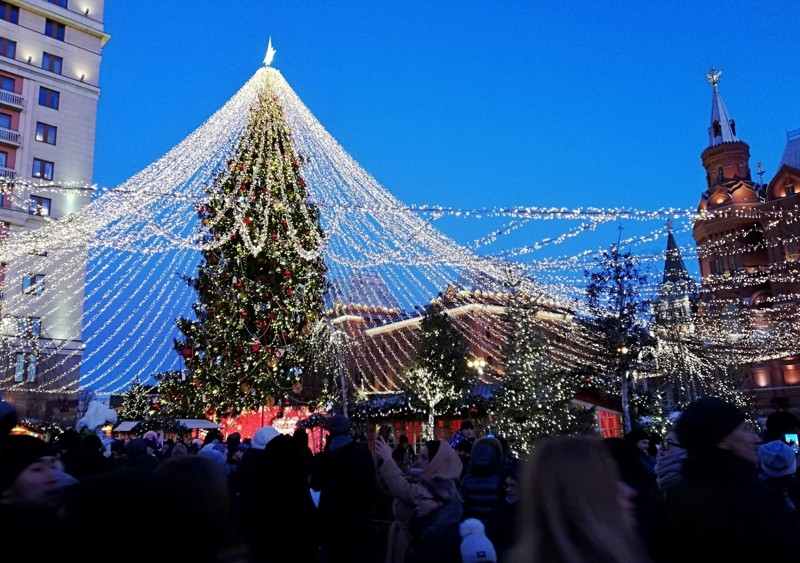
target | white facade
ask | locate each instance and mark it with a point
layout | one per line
(50, 53)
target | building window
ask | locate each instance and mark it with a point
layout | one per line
(43, 169)
(46, 133)
(791, 252)
(5, 121)
(33, 284)
(25, 368)
(7, 83)
(29, 327)
(39, 206)
(54, 29)
(52, 63)
(3, 159)
(62, 3)
(8, 48)
(9, 12)
(48, 98)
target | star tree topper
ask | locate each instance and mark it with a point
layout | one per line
(270, 54)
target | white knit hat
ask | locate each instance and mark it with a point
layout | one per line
(262, 437)
(475, 546)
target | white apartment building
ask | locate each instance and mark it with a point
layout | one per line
(50, 53)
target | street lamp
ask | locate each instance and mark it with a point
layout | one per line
(477, 364)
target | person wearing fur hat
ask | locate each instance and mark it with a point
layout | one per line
(32, 491)
(721, 510)
(412, 498)
(344, 475)
(779, 469)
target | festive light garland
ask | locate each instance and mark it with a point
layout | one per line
(138, 239)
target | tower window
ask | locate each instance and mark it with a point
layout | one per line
(25, 368)
(733, 126)
(39, 206)
(52, 63)
(48, 98)
(29, 327)
(9, 12)
(43, 169)
(46, 133)
(54, 29)
(720, 173)
(33, 284)
(8, 48)
(717, 129)
(789, 187)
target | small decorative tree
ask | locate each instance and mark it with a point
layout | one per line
(535, 398)
(440, 373)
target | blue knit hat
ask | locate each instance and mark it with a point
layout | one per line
(777, 459)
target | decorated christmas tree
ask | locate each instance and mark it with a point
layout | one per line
(535, 398)
(137, 402)
(439, 377)
(262, 277)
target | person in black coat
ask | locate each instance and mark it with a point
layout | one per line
(275, 507)
(344, 474)
(721, 510)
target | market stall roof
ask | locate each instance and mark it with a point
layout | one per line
(126, 425)
(198, 423)
(188, 423)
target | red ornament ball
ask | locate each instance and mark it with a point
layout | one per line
(186, 352)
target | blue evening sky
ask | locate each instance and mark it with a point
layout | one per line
(470, 104)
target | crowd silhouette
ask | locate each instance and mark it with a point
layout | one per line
(713, 486)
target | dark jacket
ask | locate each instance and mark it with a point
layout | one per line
(788, 487)
(435, 537)
(346, 480)
(722, 511)
(481, 487)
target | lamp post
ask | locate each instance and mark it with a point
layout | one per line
(623, 351)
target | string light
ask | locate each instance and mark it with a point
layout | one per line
(385, 258)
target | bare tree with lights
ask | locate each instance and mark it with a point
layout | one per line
(262, 277)
(440, 374)
(616, 315)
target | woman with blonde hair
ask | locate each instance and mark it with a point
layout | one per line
(574, 508)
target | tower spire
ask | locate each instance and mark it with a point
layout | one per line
(723, 128)
(674, 268)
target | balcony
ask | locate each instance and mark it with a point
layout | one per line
(8, 173)
(10, 137)
(10, 99)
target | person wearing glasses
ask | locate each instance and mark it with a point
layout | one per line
(720, 509)
(669, 462)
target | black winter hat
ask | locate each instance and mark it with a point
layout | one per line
(706, 422)
(17, 453)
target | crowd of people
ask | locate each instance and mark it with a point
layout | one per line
(711, 489)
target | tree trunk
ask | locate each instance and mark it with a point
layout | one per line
(626, 411)
(431, 422)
